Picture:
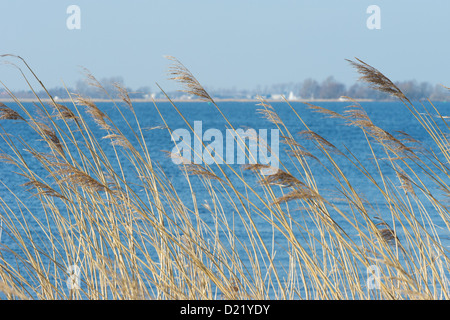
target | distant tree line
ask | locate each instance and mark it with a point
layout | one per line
(332, 89)
(309, 89)
(108, 89)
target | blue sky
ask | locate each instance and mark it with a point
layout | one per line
(225, 43)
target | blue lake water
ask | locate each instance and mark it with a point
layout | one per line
(390, 116)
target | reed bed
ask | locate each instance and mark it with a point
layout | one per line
(95, 234)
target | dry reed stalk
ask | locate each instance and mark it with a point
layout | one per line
(6, 289)
(177, 157)
(385, 232)
(201, 171)
(43, 189)
(407, 138)
(376, 79)
(327, 112)
(124, 95)
(118, 140)
(73, 176)
(388, 235)
(49, 136)
(91, 80)
(6, 158)
(96, 114)
(178, 72)
(6, 113)
(270, 114)
(255, 167)
(311, 135)
(303, 193)
(297, 150)
(281, 178)
(356, 116)
(63, 112)
(290, 141)
(302, 154)
(405, 181)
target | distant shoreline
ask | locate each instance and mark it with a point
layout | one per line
(28, 100)
(194, 100)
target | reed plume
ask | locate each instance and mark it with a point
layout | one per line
(7, 113)
(178, 72)
(376, 79)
